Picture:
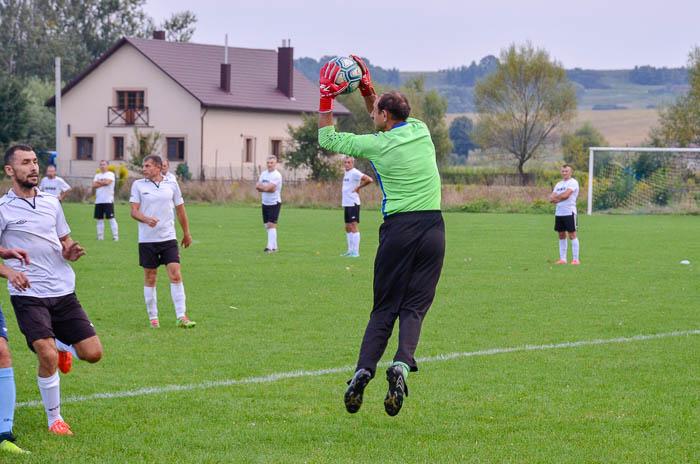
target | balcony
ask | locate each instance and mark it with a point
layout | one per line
(127, 116)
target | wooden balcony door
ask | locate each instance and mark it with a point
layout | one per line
(130, 101)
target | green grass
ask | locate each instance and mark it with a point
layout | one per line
(306, 308)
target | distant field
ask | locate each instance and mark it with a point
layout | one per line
(527, 361)
(619, 127)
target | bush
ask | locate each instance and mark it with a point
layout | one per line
(183, 172)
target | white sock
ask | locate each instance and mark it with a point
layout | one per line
(50, 389)
(69, 348)
(177, 292)
(574, 248)
(356, 243)
(350, 241)
(149, 294)
(100, 229)
(272, 238)
(562, 249)
(115, 228)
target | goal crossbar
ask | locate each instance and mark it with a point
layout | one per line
(592, 150)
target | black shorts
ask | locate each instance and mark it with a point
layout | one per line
(104, 210)
(59, 317)
(271, 213)
(352, 214)
(153, 254)
(566, 223)
(3, 326)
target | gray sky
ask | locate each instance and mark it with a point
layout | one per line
(435, 34)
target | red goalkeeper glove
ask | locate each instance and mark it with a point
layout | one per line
(366, 88)
(329, 89)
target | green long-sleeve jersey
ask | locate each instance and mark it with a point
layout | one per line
(403, 158)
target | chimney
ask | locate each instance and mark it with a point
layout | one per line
(285, 69)
(159, 35)
(225, 79)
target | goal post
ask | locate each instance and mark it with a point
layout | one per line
(689, 166)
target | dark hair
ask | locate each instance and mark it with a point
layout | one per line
(155, 158)
(10, 153)
(396, 104)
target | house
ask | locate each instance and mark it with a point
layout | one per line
(221, 110)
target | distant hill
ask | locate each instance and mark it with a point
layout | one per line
(644, 87)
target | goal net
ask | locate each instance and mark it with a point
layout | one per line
(644, 180)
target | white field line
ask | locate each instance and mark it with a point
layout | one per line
(335, 370)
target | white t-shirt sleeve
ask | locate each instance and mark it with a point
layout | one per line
(42, 185)
(62, 228)
(64, 186)
(356, 176)
(135, 193)
(177, 197)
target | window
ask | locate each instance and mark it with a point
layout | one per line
(118, 147)
(176, 148)
(84, 147)
(248, 150)
(130, 99)
(276, 148)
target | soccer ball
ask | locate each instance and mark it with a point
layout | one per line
(349, 72)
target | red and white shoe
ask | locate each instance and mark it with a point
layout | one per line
(561, 261)
(65, 361)
(575, 261)
(60, 428)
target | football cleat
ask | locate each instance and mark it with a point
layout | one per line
(60, 428)
(561, 261)
(155, 324)
(575, 261)
(185, 323)
(397, 390)
(65, 361)
(354, 255)
(346, 254)
(8, 445)
(353, 396)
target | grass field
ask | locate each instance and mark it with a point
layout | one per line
(261, 378)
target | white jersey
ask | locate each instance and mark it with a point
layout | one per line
(36, 225)
(157, 200)
(351, 181)
(55, 186)
(170, 176)
(267, 177)
(104, 194)
(568, 206)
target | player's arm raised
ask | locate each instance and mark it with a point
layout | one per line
(366, 89)
(329, 90)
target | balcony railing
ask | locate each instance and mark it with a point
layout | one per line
(127, 116)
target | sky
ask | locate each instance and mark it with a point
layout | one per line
(430, 35)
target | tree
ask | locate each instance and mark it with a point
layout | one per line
(679, 123)
(461, 135)
(144, 144)
(430, 108)
(523, 102)
(305, 152)
(14, 115)
(180, 26)
(575, 147)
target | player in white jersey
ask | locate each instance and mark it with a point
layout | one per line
(353, 181)
(153, 200)
(565, 219)
(48, 312)
(167, 175)
(270, 185)
(103, 183)
(7, 377)
(53, 184)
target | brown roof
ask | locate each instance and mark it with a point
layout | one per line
(196, 67)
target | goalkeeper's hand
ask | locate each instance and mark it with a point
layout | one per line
(366, 88)
(328, 88)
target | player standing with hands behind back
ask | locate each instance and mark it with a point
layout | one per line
(565, 220)
(411, 240)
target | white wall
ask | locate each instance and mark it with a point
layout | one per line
(172, 110)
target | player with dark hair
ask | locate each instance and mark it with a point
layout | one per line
(48, 312)
(153, 200)
(412, 239)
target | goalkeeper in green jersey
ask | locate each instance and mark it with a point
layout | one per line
(411, 239)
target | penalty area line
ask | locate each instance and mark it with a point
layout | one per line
(336, 370)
